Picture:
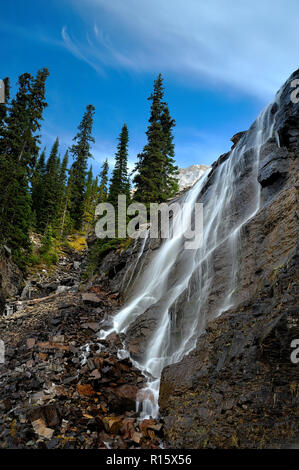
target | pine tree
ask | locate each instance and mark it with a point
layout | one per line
(19, 150)
(155, 168)
(61, 190)
(65, 222)
(120, 183)
(81, 152)
(90, 201)
(37, 187)
(103, 188)
(170, 170)
(49, 202)
(24, 118)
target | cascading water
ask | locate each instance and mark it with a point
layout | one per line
(185, 285)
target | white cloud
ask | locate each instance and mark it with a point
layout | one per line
(250, 46)
(78, 51)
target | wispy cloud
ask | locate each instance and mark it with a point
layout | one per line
(79, 51)
(250, 46)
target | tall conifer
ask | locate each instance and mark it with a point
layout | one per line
(49, 202)
(120, 183)
(19, 151)
(81, 152)
(103, 188)
(155, 177)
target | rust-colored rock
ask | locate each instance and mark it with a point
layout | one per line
(85, 390)
(128, 428)
(112, 424)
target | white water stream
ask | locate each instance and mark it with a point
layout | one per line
(184, 285)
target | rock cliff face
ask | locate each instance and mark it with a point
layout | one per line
(239, 387)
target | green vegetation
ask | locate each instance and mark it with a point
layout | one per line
(155, 179)
(56, 198)
(120, 183)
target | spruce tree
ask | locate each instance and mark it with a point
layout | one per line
(120, 183)
(155, 168)
(81, 152)
(170, 170)
(62, 182)
(103, 188)
(24, 120)
(64, 221)
(37, 187)
(19, 151)
(49, 202)
(90, 201)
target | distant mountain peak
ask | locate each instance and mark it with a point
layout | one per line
(189, 176)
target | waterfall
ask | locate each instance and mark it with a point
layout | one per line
(190, 287)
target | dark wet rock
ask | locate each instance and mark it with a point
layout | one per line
(140, 331)
(119, 270)
(235, 138)
(49, 413)
(114, 340)
(67, 281)
(91, 299)
(123, 398)
(273, 172)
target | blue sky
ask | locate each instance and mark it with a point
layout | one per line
(222, 62)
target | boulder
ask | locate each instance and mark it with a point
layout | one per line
(123, 398)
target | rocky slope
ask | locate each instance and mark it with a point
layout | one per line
(60, 386)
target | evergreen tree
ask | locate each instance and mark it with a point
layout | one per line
(19, 150)
(63, 170)
(23, 122)
(90, 201)
(81, 152)
(64, 221)
(37, 187)
(62, 184)
(170, 170)
(103, 188)
(49, 202)
(155, 168)
(120, 183)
